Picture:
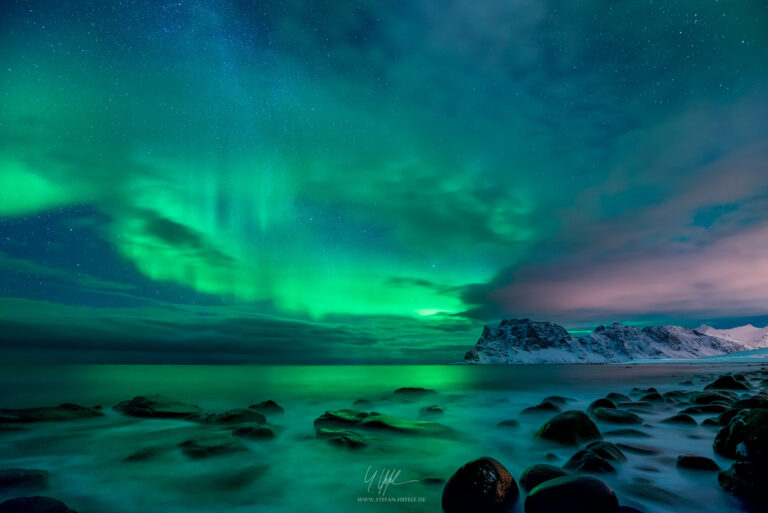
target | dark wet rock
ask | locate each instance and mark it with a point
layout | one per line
(712, 398)
(675, 394)
(643, 391)
(509, 423)
(157, 407)
(587, 461)
(255, 431)
(234, 416)
(362, 403)
(724, 418)
(628, 432)
(433, 481)
(430, 412)
(22, 479)
(686, 382)
(64, 411)
(343, 438)
(535, 475)
(681, 419)
(268, 407)
(740, 377)
(710, 422)
(645, 489)
(557, 399)
(756, 401)
(615, 416)
(653, 397)
(35, 504)
(211, 445)
(145, 454)
(607, 450)
(480, 486)
(569, 428)
(705, 408)
(745, 437)
(600, 403)
(550, 456)
(643, 450)
(572, 494)
(692, 462)
(726, 383)
(618, 398)
(544, 407)
(636, 406)
(231, 479)
(746, 480)
(379, 421)
(340, 418)
(414, 392)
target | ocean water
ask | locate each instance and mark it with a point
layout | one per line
(297, 472)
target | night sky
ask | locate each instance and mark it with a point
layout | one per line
(327, 181)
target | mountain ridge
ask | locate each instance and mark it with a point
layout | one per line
(528, 341)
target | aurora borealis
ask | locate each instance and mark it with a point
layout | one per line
(370, 182)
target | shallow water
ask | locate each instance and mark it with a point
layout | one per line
(297, 472)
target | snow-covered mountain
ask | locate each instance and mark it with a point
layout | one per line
(749, 336)
(527, 341)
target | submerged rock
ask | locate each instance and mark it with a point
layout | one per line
(268, 407)
(569, 428)
(363, 403)
(64, 411)
(572, 494)
(653, 397)
(705, 408)
(628, 432)
(535, 475)
(34, 505)
(692, 462)
(145, 454)
(481, 486)
(430, 411)
(645, 489)
(557, 399)
(22, 479)
(342, 438)
(618, 398)
(211, 445)
(544, 407)
(681, 419)
(600, 403)
(725, 398)
(726, 383)
(158, 407)
(509, 423)
(607, 450)
(234, 416)
(587, 461)
(379, 421)
(615, 416)
(255, 431)
(414, 391)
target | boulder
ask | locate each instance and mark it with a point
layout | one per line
(572, 494)
(745, 437)
(721, 397)
(653, 397)
(381, 422)
(255, 431)
(756, 401)
(600, 403)
(681, 419)
(234, 416)
(615, 416)
(726, 383)
(557, 399)
(64, 411)
(618, 398)
(544, 407)
(704, 408)
(268, 407)
(34, 505)
(569, 428)
(22, 479)
(692, 462)
(427, 412)
(746, 481)
(587, 461)
(157, 407)
(480, 486)
(211, 445)
(342, 438)
(535, 475)
(340, 418)
(607, 450)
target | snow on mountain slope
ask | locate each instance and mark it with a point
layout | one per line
(749, 336)
(527, 341)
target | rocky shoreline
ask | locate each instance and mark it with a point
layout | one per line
(734, 406)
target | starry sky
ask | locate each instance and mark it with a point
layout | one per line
(367, 182)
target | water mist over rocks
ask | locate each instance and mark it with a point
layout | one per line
(527, 341)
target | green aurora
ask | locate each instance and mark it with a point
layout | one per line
(398, 173)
